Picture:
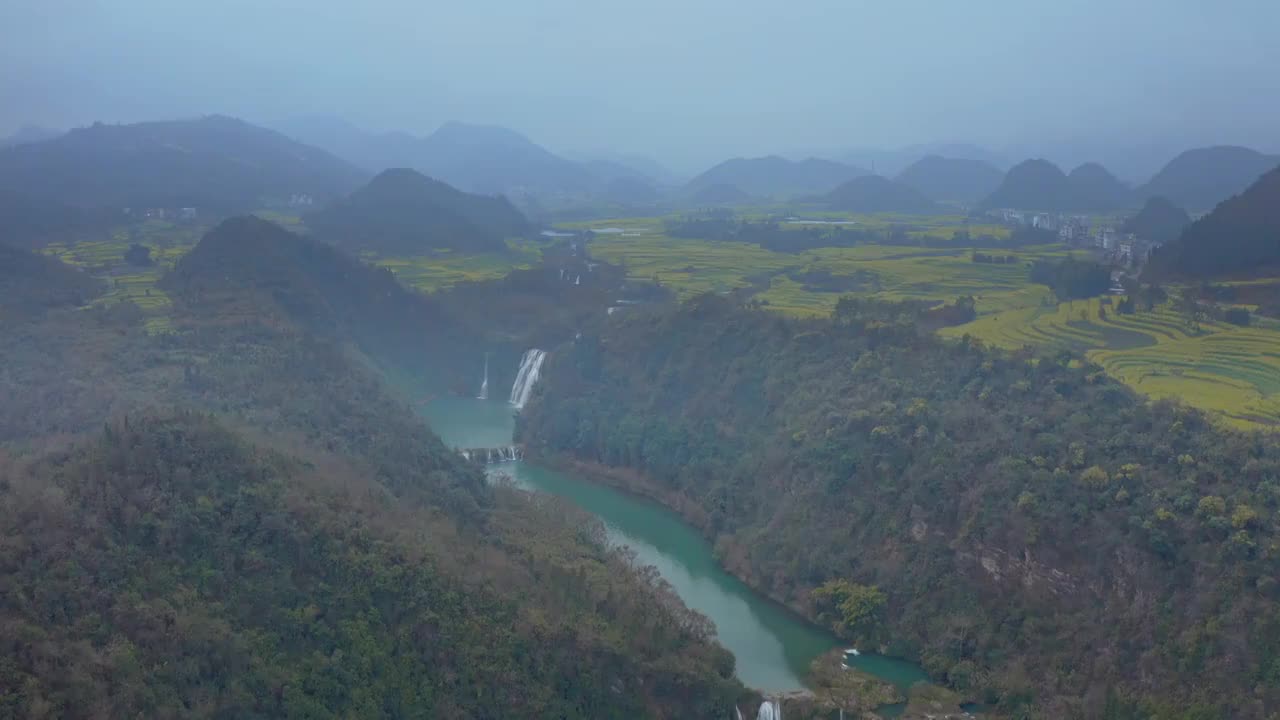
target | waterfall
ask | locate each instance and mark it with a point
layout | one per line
(510, 453)
(578, 281)
(493, 455)
(484, 384)
(530, 367)
(770, 710)
(737, 714)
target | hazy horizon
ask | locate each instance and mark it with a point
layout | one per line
(685, 85)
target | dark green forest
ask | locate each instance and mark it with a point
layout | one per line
(1240, 237)
(1071, 278)
(239, 519)
(1042, 537)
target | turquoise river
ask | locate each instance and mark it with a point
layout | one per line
(772, 645)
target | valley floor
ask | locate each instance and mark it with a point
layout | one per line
(1232, 370)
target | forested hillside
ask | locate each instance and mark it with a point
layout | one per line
(240, 520)
(1241, 236)
(1159, 221)
(403, 212)
(958, 179)
(30, 282)
(1029, 529)
(1199, 179)
(1041, 185)
(251, 269)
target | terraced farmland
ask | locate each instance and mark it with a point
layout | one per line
(1222, 367)
(105, 259)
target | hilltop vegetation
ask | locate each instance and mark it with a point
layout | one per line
(958, 179)
(476, 158)
(282, 537)
(1041, 535)
(1200, 179)
(402, 212)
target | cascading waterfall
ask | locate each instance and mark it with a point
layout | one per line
(493, 455)
(510, 453)
(530, 367)
(484, 384)
(770, 710)
(737, 714)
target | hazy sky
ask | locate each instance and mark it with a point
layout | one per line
(679, 79)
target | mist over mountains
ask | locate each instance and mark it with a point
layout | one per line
(222, 165)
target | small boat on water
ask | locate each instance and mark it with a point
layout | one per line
(852, 651)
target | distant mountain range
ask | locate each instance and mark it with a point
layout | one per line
(476, 158)
(877, 194)
(1200, 179)
(1241, 236)
(608, 165)
(1196, 180)
(214, 163)
(895, 161)
(776, 177)
(1040, 185)
(962, 180)
(402, 211)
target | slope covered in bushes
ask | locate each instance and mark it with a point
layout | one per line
(1039, 533)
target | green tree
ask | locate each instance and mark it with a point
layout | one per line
(853, 610)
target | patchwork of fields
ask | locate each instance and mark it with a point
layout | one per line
(1217, 366)
(137, 284)
(168, 242)
(810, 282)
(440, 271)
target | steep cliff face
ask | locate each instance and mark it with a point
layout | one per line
(1040, 533)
